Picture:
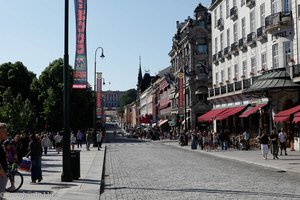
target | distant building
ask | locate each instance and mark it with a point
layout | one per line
(112, 99)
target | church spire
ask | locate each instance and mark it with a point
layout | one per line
(140, 76)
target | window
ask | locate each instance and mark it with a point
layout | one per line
(222, 76)
(252, 21)
(221, 41)
(227, 9)
(287, 5)
(234, 3)
(229, 73)
(264, 60)
(228, 37)
(221, 10)
(242, 2)
(243, 27)
(202, 48)
(273, 6)
(253, 65)
(244, 67)
(275, 56)
(217, 78)
(216, 45)
(215, 18)
(236, 71)
(262, 14)
(235, 32)
(287, 52)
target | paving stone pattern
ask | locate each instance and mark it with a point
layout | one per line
(152, 170)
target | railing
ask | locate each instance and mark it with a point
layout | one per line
(261, 34)
(243, 43)
(250, 3)
(220, 24)
(234, 47)
(234, 13)
(277, 20)
(214, 58)
(227, 52)
(221, 55)
(251, 38)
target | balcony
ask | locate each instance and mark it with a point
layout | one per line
(261, 34)
(223, 89)
(234, 13)
(278, 20)
(250, 3)
(251, 39)
(234, 48)
(221, 55)
(220, 24)
(215, 60)
(243, 44)
(227, 52)
(296, 73)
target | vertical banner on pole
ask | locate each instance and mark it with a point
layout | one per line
(99, 89)
(180, 75)
(80, 67)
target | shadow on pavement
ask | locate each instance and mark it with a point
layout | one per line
(88, 181)
(216, 191)
(34, 191)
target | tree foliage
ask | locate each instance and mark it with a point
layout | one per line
(127, 98)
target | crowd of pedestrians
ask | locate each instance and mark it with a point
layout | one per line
(15, 149)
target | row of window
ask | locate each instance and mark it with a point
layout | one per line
(220, 76)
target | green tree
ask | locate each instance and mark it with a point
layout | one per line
(127, 98)
(17, 113)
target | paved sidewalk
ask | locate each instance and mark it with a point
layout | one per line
(51, 187)
(289, 163)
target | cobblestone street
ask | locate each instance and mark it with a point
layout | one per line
(136, 169)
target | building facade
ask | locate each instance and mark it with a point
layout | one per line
(254, 48)
(191, 66)
(112, 99)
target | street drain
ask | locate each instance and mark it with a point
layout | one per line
(60, 187)
(281, 171)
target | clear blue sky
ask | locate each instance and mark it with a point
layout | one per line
(33, 32)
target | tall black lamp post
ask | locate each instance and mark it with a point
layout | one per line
(95, 95)
(66, 173)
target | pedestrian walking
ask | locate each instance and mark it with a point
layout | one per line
(282, 139)
(46, 143)
(3, 160)
(89, 139)
(274, 144)
(73, 141)
(58, 142)
(264, 144)
(36, 159)
(194, 140)
(99, 140)
(79, 137)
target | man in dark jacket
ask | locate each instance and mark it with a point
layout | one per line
(3, 160)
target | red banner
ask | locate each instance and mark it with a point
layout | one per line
(99, 103)
(80, 67)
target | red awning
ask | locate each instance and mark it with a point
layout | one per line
(229, 112)
(252, 110)
(211, 114)
(284, 115)
(296, 117)
(281, 119)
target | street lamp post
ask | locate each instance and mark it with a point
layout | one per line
(95, 95)
(66, 175)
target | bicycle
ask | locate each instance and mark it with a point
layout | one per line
(15, 178)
